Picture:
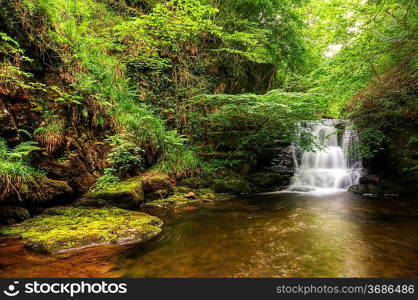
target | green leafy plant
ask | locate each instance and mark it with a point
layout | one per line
(14, 167)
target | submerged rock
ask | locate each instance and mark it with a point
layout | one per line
(67, 228)
(128, 194)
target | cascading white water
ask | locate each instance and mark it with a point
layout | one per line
(334, 166)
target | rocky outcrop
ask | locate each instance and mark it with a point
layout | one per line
(375, 185)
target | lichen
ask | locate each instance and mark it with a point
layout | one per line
(64, 228)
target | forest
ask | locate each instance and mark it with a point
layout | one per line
(114, 109)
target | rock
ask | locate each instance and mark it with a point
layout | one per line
(195, 182)
(159, 194)
(67, 228)
(190, 195)
(358, 189)
(369, 179)
(180, 198)
(267, 181)
(128, 194)
(10, 214)
(381, 188)
(155, 183)
(232, 185)
(41, 189)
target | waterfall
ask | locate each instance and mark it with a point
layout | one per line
(335, 165)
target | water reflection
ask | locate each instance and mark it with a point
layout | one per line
(286, 235)
(270, 235)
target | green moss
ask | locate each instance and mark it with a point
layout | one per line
(195, 182)
(159, 194)
(42, 189)
(232, 185)
(156, 182)
(64, 228)
(127, 194)
(180, 199)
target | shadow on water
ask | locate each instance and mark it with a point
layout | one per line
(269, 235)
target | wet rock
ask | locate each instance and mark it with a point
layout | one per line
(128, 194)
(184, 196)
(10, 214)
(67, 228)
(380, 188)
(40, 189)
(195, 182)
(232, 186)
(369, 179)
(267, 181)
(159, 194)
(156, 182)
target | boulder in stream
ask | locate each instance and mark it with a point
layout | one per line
(68, 228)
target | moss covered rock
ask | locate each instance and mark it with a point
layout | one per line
(159, 194)
(267, 181)
(182, 197)
(128, 194)
(196, 182)
(65, 228)
(157, 182)
(40, 189)
(234, 186)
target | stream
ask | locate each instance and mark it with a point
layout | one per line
(282, 234)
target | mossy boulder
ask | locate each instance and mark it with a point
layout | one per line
(158, 194)
(196, 182)
(182, 197)
(234, 186)
(128, 194)
(158, 182)
(267, 181)
(66, 228)
(41, 189)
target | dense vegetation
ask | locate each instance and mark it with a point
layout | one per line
(108, 89)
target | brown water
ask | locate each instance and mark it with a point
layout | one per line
(275, 235)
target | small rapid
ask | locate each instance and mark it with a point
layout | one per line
(335, 165)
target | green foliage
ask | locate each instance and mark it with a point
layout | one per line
(51, 133)
(125, 155)
(180, 161)
(169, 24)
(249, 122)
(125, 158)
(14, 166)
